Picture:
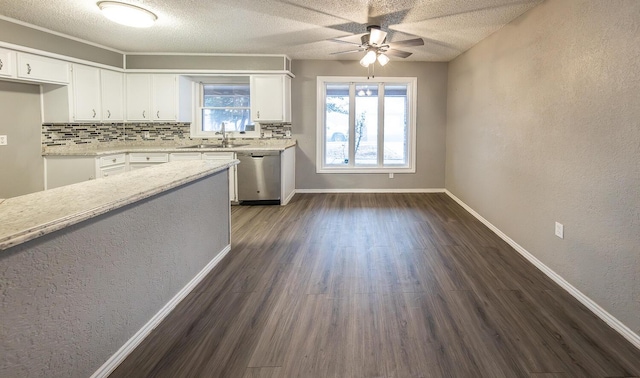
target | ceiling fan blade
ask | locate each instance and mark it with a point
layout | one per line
(398, 53)
(346, 52)
(407, 43)
(341, 41)
(377, 36)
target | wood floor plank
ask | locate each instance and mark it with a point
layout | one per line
(376, 285)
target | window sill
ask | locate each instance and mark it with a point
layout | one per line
(351, 170)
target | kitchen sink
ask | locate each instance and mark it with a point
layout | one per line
(227, 145)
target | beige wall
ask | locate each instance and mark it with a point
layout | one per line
(21, 164)
(432, 89)
(36, 39)
(543, 125)
(205, 62)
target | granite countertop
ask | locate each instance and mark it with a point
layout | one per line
(30, 216)
(115, 148)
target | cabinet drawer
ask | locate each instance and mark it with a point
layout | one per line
(7, 57)
(112, 171)
(41, 69)
(106, 161)
(182, 156)
(218, 155)
(152, 157)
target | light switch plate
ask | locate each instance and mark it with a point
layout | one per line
(559, 230)
(3, 140)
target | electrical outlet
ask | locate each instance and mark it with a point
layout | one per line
(559, 230)
(3, 140)
(146, 135)
(391, 175)
(287, 133)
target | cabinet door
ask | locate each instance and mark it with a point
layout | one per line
(138, 97)
(86, 93)
(41, 69)
(233, 173)
(7, 57)
(267, 98)
(67, 170)
(165, 98)
(112, 96)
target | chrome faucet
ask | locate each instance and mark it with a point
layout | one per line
(223, 131)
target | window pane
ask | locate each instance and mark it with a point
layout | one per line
(395, 124)
(366, 126)
(337, 124)
(234, 119)
(226, 95)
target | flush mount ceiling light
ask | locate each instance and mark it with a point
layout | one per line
(127, 14)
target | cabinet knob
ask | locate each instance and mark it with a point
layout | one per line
(1, 64)
(28, 69)
(144, 114)
(106, 174)
(108, 113)
(114, 160)
(94, 113)
(148, 158)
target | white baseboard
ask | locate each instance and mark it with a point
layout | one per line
(614, 323)
(289, 197)
(436, 190)
(112, 363)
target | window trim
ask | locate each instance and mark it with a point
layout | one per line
(196, 126)
(412, 103)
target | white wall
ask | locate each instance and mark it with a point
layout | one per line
(543, 125)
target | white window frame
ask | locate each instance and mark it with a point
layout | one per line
(196, 127)
(412, 101)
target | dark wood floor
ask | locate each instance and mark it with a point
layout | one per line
(376, 285)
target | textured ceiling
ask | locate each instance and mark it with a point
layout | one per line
(298, 28)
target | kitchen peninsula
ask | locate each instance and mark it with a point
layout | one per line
(86, 266)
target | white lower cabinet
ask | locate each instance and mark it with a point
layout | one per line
(138, 160)
(111, 165)
(233, 177)
(67, 170)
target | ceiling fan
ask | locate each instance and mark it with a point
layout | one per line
(376, 47)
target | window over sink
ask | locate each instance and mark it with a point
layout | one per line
(225, 100)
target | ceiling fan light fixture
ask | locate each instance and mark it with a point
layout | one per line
(383, 59)
(369, 58)
(127, 14)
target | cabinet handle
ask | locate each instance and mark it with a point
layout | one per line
(1, 64)
(158, 114)
(108, 113)
(258, 114)
(144, 115)
(28, 69)
(94, 113)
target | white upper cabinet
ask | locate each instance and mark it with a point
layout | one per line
(112, 90)
(158, 97)
(41, 69)
(270, 98)
(138, 97)
(86, 93)
(7, 65)
(164, 97)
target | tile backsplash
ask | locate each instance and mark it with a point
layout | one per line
(77, 134)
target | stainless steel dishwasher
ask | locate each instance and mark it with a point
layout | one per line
(259, 177)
